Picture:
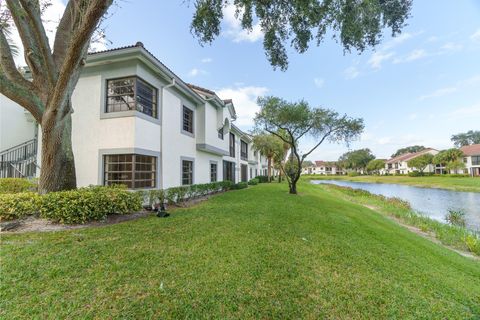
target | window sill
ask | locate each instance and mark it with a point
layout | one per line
(131, 113)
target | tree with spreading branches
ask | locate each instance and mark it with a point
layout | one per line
(46, 90)
(465, 139)
(421, 162)
(291, 122)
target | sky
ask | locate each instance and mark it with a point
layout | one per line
(418, 88)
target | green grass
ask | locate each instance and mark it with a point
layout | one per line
(252, 253)
(445, 182)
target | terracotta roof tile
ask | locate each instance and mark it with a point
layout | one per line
(472, 150)
(409, 156)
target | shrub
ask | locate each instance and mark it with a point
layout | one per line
(353, 174)
(473, 243)
(456, 217)
(253, 182)
(15, 206)
(262, 179)
(226, 185)
(240, 185)
(17, 185)
(87, 204)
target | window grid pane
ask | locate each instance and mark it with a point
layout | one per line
(213, 172)
(131, 94)
(187, 172)
(132, 170)
(187, 119)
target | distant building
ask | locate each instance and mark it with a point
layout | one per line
(399, 164)
(323, 167)
(471, 159)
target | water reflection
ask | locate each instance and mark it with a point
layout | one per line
(430, 202)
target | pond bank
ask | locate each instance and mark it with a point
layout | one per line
(457, 238)
(466, 184)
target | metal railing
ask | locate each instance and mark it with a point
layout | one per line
(19, 161)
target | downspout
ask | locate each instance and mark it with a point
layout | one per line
(162, 123)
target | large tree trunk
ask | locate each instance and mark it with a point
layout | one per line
(57, 170)
(293, 187)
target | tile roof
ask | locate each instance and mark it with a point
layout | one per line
(471, 150)
(195, 87)
(409, 155)
(320, 163)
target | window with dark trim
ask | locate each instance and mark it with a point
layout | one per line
(475, 160)
(232, 145)
(187, 172)
(133, 170)
(220, 133)
(187, 119)
(213, 172)
(243, 150)
(131, 93)
(228, 171)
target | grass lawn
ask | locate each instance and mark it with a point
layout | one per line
(252, 253)
(451, 183)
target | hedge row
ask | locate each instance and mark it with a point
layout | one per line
(70, 207)
(96, 202)
(17, 185)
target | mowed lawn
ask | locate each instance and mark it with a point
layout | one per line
(253, 253)
(451, 183)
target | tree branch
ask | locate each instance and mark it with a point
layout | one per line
(7, 64)
(32, 8)
(21, 95)
(64, 32)
(76, 52)
(318, 144)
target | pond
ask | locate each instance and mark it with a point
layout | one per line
(433, 203)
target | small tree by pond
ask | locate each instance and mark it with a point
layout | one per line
(293, 121)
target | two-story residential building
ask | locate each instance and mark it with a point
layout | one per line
(135, 122)
(471, 159)
(399, 164)
(323, 167)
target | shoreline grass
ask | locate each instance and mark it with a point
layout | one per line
(455, 236)
(463, 184)
(252, 253)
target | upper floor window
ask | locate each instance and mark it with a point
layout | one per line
(132, 170)
(475, 160)
(243, 150)
(232, 145)
(465, 160)
(187, 119)
(220, 133)
(131, 93)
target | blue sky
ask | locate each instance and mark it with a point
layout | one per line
(419, 88)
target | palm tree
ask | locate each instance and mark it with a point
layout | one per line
(268, 145)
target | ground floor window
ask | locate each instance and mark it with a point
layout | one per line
(229, 171)
(187, 172)
(244, 172)
(133, 170)
(213, 172)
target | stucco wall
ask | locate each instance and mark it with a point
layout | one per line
(16, 126)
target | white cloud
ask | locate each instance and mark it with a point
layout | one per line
(245, 102)
(319, 82)
(476, 36)
(412, 56)
(439, 93)
(234, 27)
(466, 112)
(196, 72)
(351, 73)
(206, 60)
(451, 46)
(433, 39)
(378, 58)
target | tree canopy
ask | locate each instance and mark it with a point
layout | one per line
(271, 146)
(307, 163)
(410, 149)
(421, 162)
(375, 165)
(446, 156)
(466, 139)
(354, 24)
(293, 121)
(357, 159)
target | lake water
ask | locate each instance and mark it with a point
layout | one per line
(433, 203)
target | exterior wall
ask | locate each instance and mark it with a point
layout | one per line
(16, 124)
(401, 167)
